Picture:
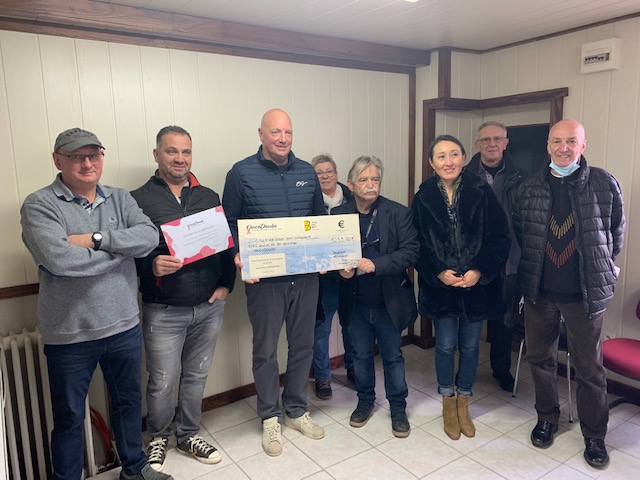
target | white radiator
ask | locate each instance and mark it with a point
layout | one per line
(26, 403)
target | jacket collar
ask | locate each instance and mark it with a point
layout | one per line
(193, 181)
(475, 165)
(64, 192)
(269, 164)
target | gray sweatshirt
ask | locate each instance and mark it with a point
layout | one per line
(85, 294)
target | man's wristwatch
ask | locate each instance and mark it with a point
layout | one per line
(97, 240)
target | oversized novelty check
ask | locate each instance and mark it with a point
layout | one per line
(271, 247)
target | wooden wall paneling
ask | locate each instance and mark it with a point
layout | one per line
(570, 53)
(527, 68)
(489, 75)
(398, 141)
(323, 141)
(281, 90)
(27, 113)
(549, 62)
(158, 104)
(210, 155)
(96, 97)
(14, 257)
(378, 123)
(302, 105)
(185, 92)
(507, 61)
(358, 117)
(597, 88)
(241, 121)
(130, 121)
(341, 116)
(465, 74)
(25, 107)
(622, 157)
(60, 80)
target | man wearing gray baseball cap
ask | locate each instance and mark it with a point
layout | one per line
(84, 237)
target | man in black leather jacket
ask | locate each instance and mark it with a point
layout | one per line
(493, 164)
(570, 224)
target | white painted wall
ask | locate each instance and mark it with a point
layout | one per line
(125, 94)
(605, 102)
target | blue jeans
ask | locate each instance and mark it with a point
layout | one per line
(178, 341)
(70, 370)
(453, 333)
(321, 366)
(367, 325)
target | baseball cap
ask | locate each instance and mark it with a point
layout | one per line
(75, 138)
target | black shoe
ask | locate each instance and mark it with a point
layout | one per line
(323, 389)
(595, 452)
(400, 424)
(361, 414)
(542, 434)
(506, 381)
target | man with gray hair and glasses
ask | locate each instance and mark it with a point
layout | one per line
(493, 164)
(84, 236)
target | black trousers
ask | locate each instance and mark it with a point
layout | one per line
(542, 331)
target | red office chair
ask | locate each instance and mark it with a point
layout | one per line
(622, 356)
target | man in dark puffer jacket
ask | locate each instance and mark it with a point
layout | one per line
(274, 183)
(570, 224)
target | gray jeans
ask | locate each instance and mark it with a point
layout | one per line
(270, 304)
(542, 329)
(178, 341)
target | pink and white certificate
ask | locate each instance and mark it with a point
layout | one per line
(198, 236)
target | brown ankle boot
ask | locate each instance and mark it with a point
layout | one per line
(450, 417)
(464, 418)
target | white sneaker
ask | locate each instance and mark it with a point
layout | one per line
(306, 425)
(271, 440)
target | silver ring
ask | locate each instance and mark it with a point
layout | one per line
(464, 285)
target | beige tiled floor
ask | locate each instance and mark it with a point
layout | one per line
(501, 448)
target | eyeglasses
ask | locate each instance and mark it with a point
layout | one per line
(487, 140)
(77, 159)
(328, 173)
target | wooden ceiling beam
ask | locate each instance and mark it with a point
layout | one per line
(161, 26)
